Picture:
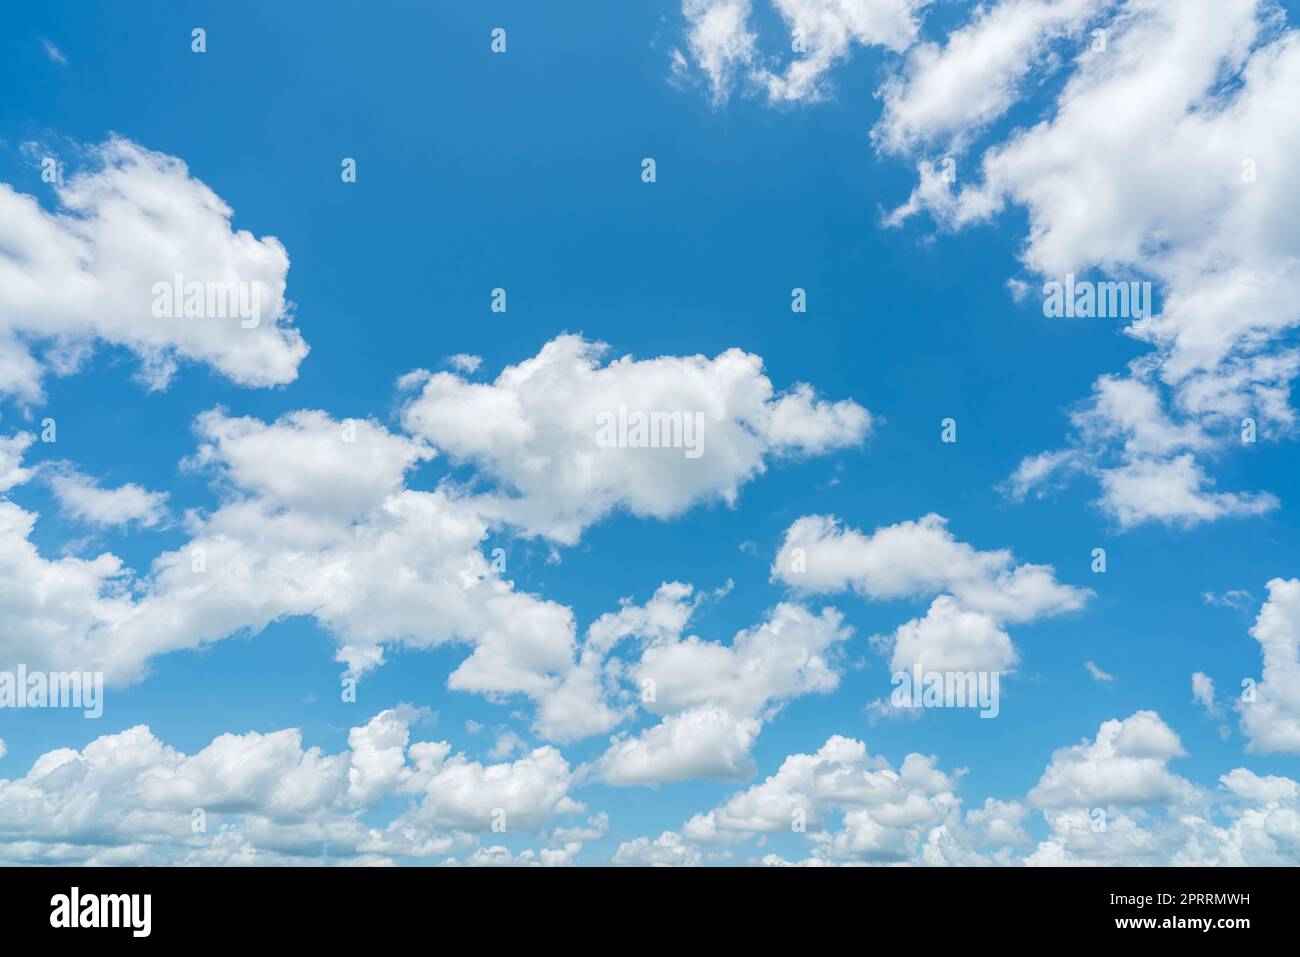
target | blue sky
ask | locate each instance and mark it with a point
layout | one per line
(522, 170)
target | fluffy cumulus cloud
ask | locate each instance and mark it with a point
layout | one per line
(500, 856)
(723, 46)
(1146, 463)
(569, 438)
(323, 518)
(1270, 711)
(265, 798)
(315, 518)
(1111, 799)
(1188, 185)
(1127, 763)
(316, 521)
(703, 742)
(881, 812)
(1268, 707)
(713, 698)
(977, 592)
(86, 273)
(56, 612)
(667, 850)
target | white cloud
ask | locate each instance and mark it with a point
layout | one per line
(12, 448)
(499, 855)
(1203, 693)
(790, 654)
(884, 812)
(534, 430)
(1128, 412)
(720, 41)
(1232, 598)
(819, 34)
(1037, 473)
(998, 824)
(662, 618)
(86, 273)
(1178, 136)
(830, 29)
(507, 744)
(1263, 790)
(597, 826)
(1272, 719)
(460, 794)
(1145, 462)
(1263, 828)
(701, 742)
(1173, 491)
(588, 700)
(319, 523)
(307, 461)
(714, 698)
(977, 592)
(463, 362)
(1112, 800)
(129, 798)
(954, 89)
(1097, 673)
(54, 53)
(81, 496)
(316, 521)
(52, 611)
(1249, 821)
(667, 850)
(950, 638)
(915, 558)
(1126, 764)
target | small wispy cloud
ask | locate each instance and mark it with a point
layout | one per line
(463, 362)
(1097, 673)
(1203, 694)
(1229, 599)
(54, 53)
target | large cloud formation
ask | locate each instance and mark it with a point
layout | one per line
(316, 518)
(1111, 800)
(252, 798)
(1145, 140)
(1166, 156)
